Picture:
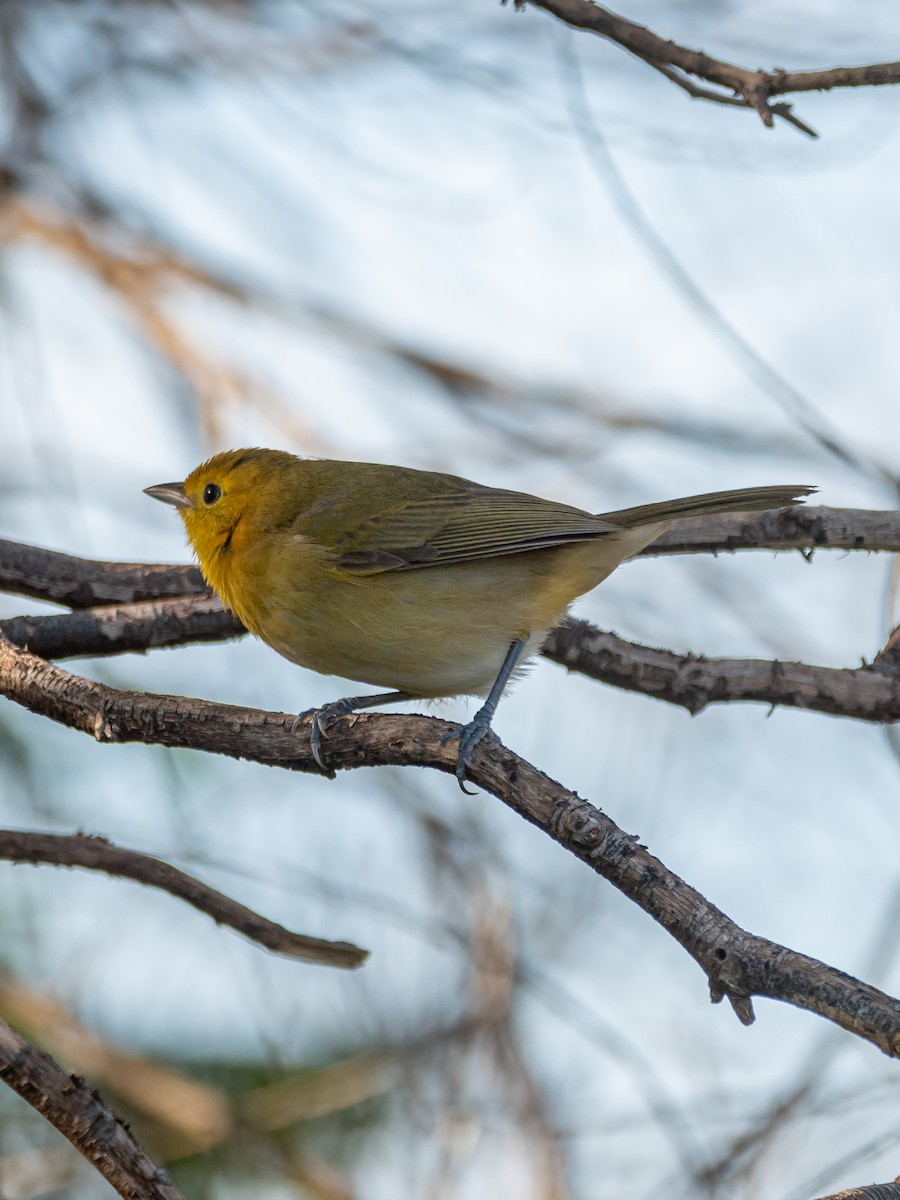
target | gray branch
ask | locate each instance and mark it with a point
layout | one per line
(866, 693)
(752, 89)
(805, 527)
(738, 964)
(99, 854)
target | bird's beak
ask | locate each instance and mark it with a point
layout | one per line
(169, 493)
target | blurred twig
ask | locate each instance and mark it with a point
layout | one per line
(98, 854)
(328, 1089)
(145, 273)
(183, 1116)
(755, 365)
(197, 1111)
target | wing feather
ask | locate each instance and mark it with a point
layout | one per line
(463, 526)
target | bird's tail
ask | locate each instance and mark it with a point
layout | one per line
(739, 500)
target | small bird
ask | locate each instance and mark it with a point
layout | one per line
(421, 582)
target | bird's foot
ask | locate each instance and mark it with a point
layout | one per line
(320, 719)
(468, 737)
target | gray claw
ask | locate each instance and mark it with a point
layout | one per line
(468, 736)
(318, 718)
(315, 739)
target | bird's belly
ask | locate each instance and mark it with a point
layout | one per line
(420, 635)
(440, 631)
(405, 663)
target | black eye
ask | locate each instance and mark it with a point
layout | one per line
(211, 493)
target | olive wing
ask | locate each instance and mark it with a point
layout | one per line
(463, 526)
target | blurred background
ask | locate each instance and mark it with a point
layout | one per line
(461, 238)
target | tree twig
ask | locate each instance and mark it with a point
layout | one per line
(124, 628)
(748, 88)
(738, 964)
(805, 527)
(80, 1115)
(867, 693)
(84, 583)
(874, 1191)
(785, 111)
(99, 854)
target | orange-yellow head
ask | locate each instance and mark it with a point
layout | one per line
(230, 500)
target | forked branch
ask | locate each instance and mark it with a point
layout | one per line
(742, 87)
(738, 965)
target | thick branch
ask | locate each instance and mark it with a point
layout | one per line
(738, 964)
(752, 88)
(868, 693)
(81, 1116)
(83, 583)
(97, 854)
(124, 628)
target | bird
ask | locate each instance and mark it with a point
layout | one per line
(421, 582)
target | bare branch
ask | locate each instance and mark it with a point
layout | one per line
(98, 854)
(867, 693)
(80, 1115)
(124, 628)
(738, 964)
(83, 583)
(745, 87)
(804, 527)
(874, 1191)
(701, 93)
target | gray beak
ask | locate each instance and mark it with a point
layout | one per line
(169, 493)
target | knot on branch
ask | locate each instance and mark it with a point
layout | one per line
(720, 987)
(809, 521)
(691, 686)
(574, 823)
(103, 728)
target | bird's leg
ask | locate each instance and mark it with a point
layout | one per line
(470, 735)
(322, 717)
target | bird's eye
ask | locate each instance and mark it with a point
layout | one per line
(211, 493)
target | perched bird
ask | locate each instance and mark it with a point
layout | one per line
(421, 582)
